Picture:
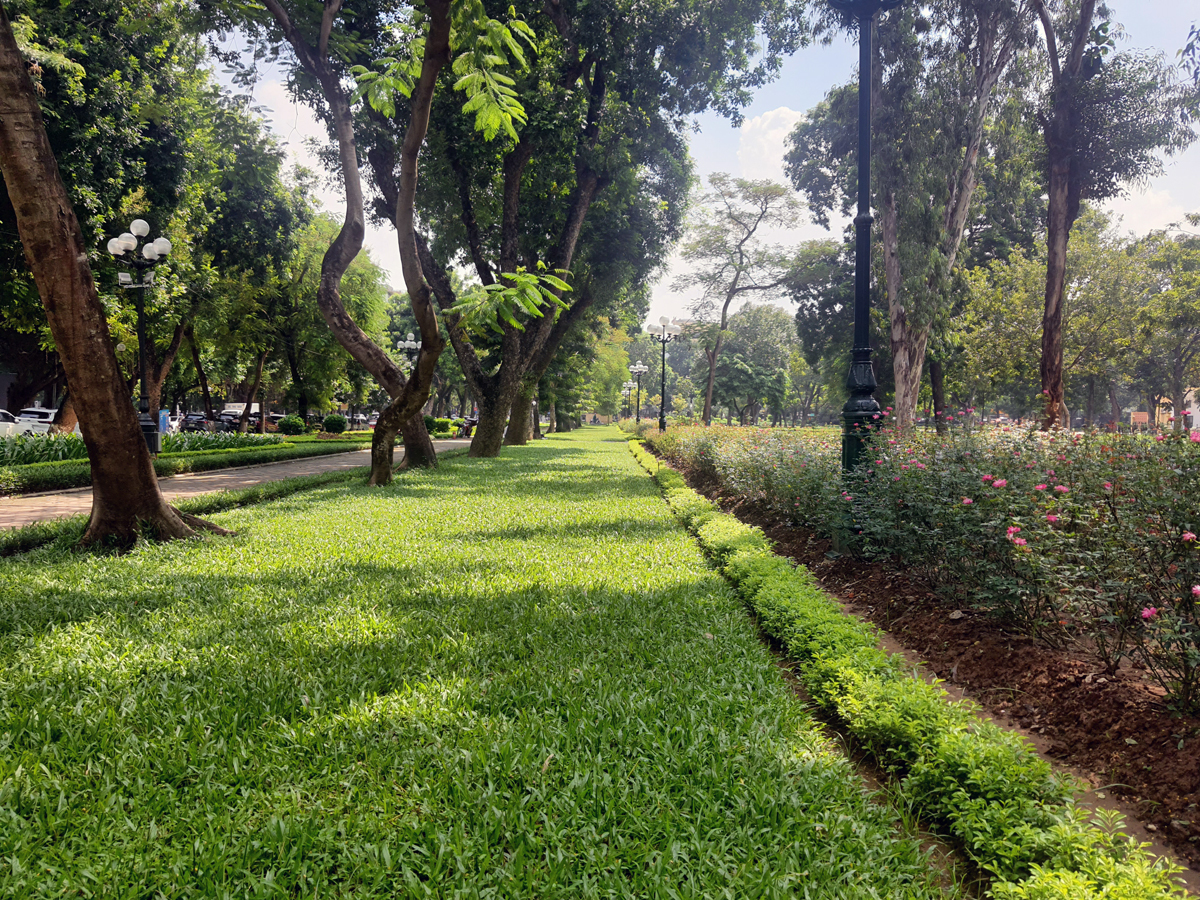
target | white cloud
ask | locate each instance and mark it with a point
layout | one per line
(1144, 211)
(763, 141)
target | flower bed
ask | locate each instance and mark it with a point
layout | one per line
(985, 787)
(1084, 539)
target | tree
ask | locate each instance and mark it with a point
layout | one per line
(605, 97)
(1168, 321)
(728, 257)
(933, 93)
(1104, 118)
(126, 499)
(1000, 325)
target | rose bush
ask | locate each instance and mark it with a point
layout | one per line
(1071, 538)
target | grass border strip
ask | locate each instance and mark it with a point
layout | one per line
(38, 534)
(985, 787)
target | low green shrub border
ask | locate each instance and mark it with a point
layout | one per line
(983, 786)
(69, 530)
(51, 476)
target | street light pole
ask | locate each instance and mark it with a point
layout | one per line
(153, 252)
(668, 331)
(638, 369)
(861, 410)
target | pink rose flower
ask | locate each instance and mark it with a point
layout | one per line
(1051, 518)
(967, 501)
(999, 482)
(1149, 612)
(1108, 485)
(987, 477)
(1039, 487)
(1013, 529)
(1061, 488)
(1020, 542)
(1188, 536)
(1196, 590)
(1195, 437)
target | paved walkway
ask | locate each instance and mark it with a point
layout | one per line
(30, 508)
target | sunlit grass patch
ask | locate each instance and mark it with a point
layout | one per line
(509, 678)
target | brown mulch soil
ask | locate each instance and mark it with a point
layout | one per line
(1113, 731)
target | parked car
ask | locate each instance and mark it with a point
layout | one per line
(37, 418)
(9, 425)
(194, 422)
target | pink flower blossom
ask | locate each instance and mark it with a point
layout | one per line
(967, 501)
(1196, 590)
(896, 477)
(999, 482)
(1013, 529)
(1108, 485)
(1195, 437)
(1061, 488)
(1039, 487)
(1149, 612)
(987, 477)
(1020, 542)
(1052, 518)
(1188, 536)
(920, 465)
(1158, 437)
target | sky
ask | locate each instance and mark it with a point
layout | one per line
(755, 150)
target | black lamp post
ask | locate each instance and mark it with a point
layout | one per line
(663, 333)
(153, 252)
(861, 410)
(637, 370)
(625, 394)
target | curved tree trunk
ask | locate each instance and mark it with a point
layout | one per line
(204, 391)
(126, 500)
(419, 452)
(65, 418)
(520, 418)
(937, 385)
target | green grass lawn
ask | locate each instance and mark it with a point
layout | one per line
(507, 678)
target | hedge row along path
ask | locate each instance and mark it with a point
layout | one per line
(42, 507)
(512, 677)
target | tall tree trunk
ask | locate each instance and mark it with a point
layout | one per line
(1064, 193)
(711, 357)
(244, 419)
(203, 378)
(1114, 404)
(520, 426)
(937, 385)
(1091, 402)
(419, 452)
(126, 500)
(552, 423)
(489, 433)
(65, 418)
(158, 368)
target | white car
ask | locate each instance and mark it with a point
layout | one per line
(9, 425)
(36, 420)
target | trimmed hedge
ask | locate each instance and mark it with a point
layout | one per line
(983, 786)
(53, 476)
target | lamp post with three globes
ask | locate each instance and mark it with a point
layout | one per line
(152, 253)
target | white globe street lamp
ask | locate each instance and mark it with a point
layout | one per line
(124, 250)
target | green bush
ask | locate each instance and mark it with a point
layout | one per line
(1054, 533)
(195, 441)
(291, 425)
(26, 449)
(983, 786)
(334, 424)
